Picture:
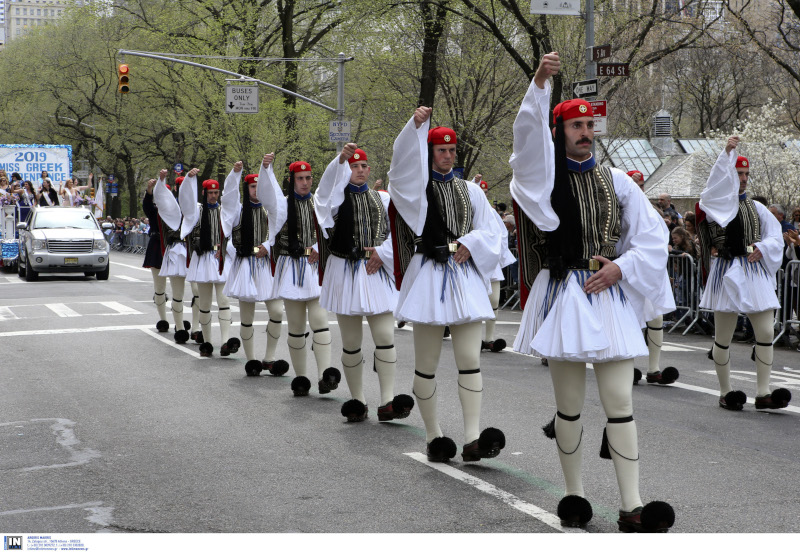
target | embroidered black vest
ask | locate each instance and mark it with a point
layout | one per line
(306, 234)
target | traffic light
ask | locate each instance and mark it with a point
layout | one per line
(122, 71)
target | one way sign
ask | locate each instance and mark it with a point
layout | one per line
(584, 89)
(241, 99)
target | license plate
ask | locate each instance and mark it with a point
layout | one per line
(70, 260)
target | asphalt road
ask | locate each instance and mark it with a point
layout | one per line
(108, 426)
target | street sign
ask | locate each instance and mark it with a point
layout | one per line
(83, 174)
(584, 89)
(612, 70)
(600, 118)
(241, 99)
(178, 168)
(556, 7)
(339, 131)
(601, 52)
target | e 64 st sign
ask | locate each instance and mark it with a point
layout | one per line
(241, 99)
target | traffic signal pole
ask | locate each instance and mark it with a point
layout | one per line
(590, 66)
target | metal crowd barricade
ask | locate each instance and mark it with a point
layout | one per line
(682, 271)
(789, 299)
(511, 283)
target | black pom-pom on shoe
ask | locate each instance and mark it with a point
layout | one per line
(186, 326)
(669, 375)
(574, 511)
(491, 441)
(637, 375)
(181, 337)
(162, 326)
(234, 344)
(206, 349)
(402, 406)
(733, 400)
(777, 399)
(498, 345)
(657, 517)
(605, 453)
(441, 449)
(198, 337)
(354, 410)
(253, 368)
(330, 380)
(300, 386)
(277, 368)
(549, 429)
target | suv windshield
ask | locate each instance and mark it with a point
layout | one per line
(64, 218)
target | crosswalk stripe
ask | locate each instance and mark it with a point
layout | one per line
(119, 308)
(62, 310)
(127, 278)
(6, 314)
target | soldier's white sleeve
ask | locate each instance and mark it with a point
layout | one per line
(271, 197)
(231, 212)
(187, 199)
(330, 193)
(641, 249)
(771, 244)
(483, 241)
(385, 250)
(408, 175)
(168, 208)
(720, 198)
(533, 159)
(506, 257)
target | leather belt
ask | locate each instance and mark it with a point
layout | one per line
(451, 248)
(585, 264)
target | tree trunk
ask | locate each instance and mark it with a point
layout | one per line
(433, 20)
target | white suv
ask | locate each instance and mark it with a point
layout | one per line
(62, 239)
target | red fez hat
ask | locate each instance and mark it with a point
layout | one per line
(484, 185)
(358, 155)
(441, 135)
(571, 109)
(210, 185)
(179, 180)
(742, 163)
(633, 173)
(250, 178)
(168, 187)
(299, 166)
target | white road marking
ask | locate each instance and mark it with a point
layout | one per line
(131, 266)
(515, 502)
(127, 278)
(171, 343)
(6, 314)
(119, 308)
(73, 330)
(87, 505)
(62, 310)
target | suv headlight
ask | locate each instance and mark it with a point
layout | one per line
(101, 245)
(39, 244)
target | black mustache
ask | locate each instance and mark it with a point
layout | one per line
(584, 141)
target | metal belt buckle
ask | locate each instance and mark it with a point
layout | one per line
(594, 264)
(256, 249)
(307, 251)
(453, 247)
(749, 249)
(216, 248)
(367, 254)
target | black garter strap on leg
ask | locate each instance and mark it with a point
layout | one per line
(425, 376)
(194, 297)
(755, 356)
(276, 321)
(723, 347)
(321, 330)
(606, 447)
(468, 372)
(351, 352)
(205, 312)
(303, 335)
(568, 418)
(384, 346)
(243, 325)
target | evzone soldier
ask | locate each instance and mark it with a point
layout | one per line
(153, 257)
(653, 315)
(165, 245)
(741, 249)
(591, 250)
(292, 241)
(174, 263)
(250, 277)
(206, 244)
(357, 280)
(446, 248)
